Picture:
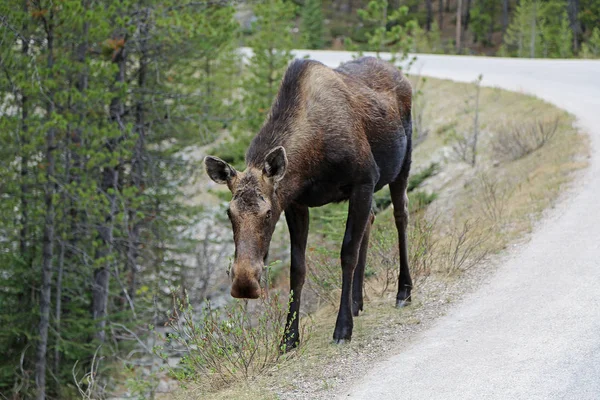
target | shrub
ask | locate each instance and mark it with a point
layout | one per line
(465, 248)
(423, 249)
(420, 128)
(464, 144)
(229, 343)
(383, 258)
(493, 197)
(419, 200)
(518, 139)
(416, 179)
(324, 277)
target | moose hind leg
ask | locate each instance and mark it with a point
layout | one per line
(359, 272)
(359, 209)
(400, 201)
(297, 219)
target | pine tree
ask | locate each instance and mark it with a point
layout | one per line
(97, 104)
(482, 20)
(271, 53)
(565, 38)
(591, 48)
(215, 69)
(523, 34)
(388, 31)
(312, 24)
(540, 29)
(427, 42)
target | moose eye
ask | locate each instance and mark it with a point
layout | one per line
(268, 214)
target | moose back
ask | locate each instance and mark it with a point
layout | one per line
(331, 135)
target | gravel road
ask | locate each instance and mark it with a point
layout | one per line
(533, 331)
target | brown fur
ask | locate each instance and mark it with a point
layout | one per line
(331, 135)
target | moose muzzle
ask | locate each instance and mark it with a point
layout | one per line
(246, 281)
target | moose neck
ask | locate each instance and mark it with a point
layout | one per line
(285, 193)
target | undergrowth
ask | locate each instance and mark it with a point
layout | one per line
(224, 345)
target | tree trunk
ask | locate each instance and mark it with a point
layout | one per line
(109, 187)
(24, 187)
(573, 11)
(490, 34)
(24, 231)
(458, 25)
(47, 254)
(441, 14)
(48, 236)
(429, 15)
(467, 16)
(137, 162)
(24, 250)
(24, 140)
(102, 275)
(100, 301)
(58, 309)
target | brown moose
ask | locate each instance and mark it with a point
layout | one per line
(331, 135)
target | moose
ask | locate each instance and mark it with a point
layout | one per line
(331, 135)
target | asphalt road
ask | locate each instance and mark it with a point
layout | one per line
(533, 331)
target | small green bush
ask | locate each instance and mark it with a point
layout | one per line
(419, 200)
(227, 344)
(416, 179)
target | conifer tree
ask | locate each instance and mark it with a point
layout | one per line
(271, 43)
(98, 100)
(312, 24)
(523, 35)
(387, 31)
(564, 38)
(591, 48)
(482, 18)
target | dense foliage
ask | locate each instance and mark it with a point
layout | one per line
(97, 100)
(312, 24)
(552, 28)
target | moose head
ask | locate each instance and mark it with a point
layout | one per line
(253, 211)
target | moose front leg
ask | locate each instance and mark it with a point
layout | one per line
(297, 220)
(359, 271)
(359, 210)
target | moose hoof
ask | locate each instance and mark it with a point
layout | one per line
(402, 303)
(289, 343)
(341, 341)
(342, 336)
(288, 346)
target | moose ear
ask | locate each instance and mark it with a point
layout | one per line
(218, 170)
(275, 164)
